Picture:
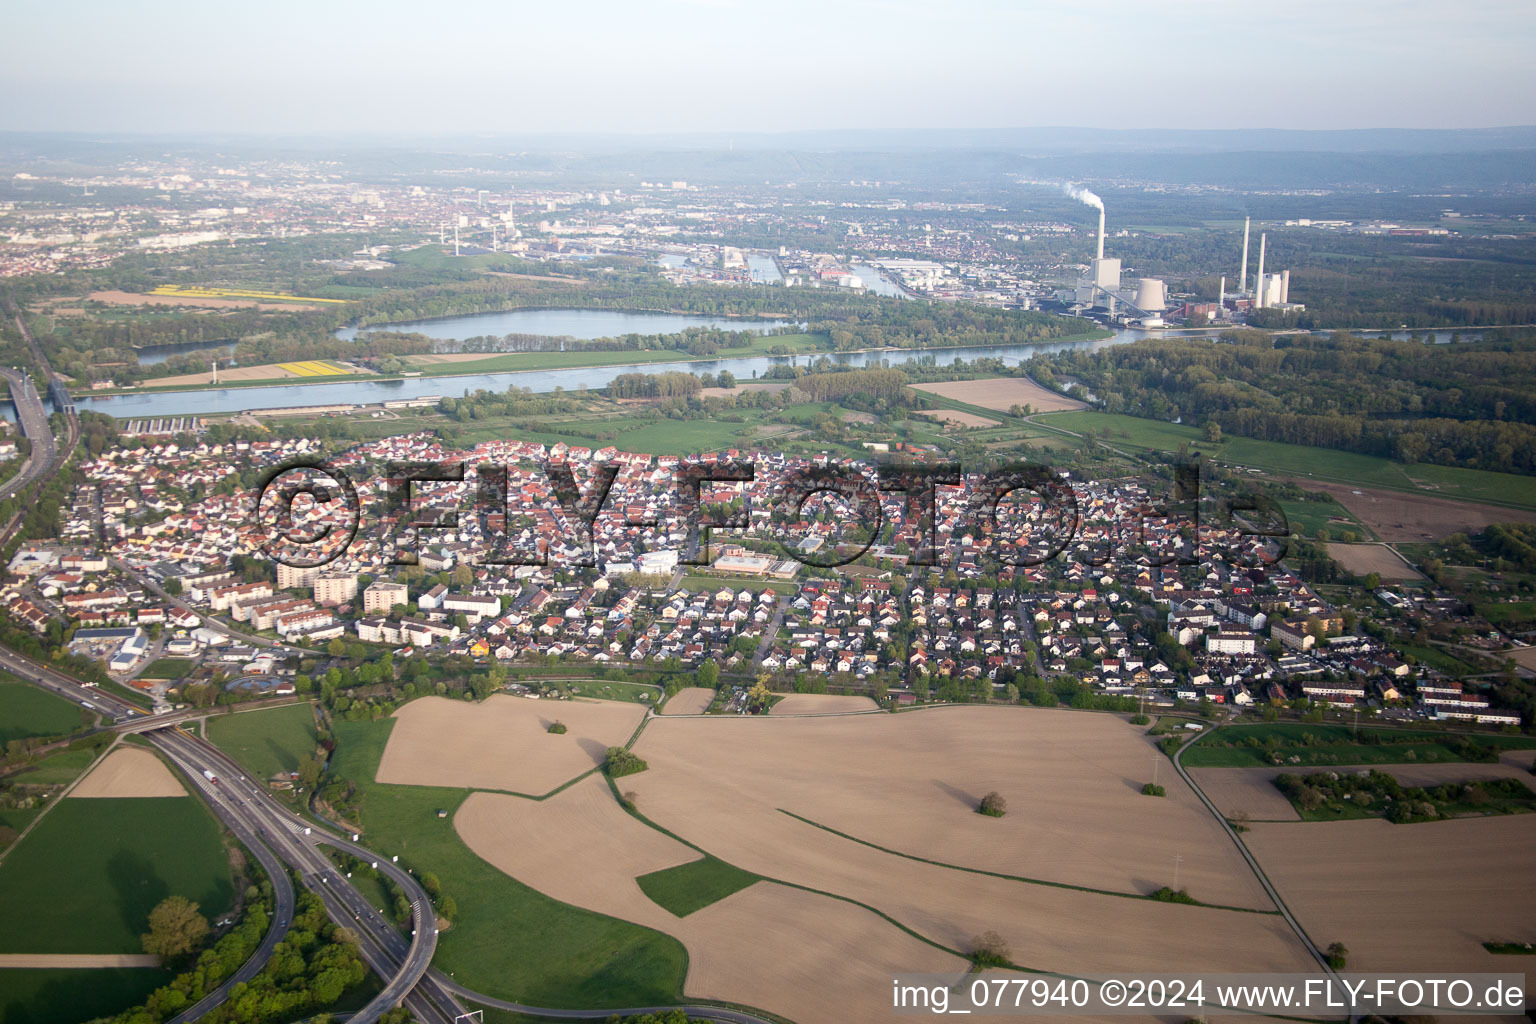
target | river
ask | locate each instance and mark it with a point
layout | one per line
(576, 323)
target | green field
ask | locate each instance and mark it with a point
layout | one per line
(1440, 659)
(508, 940)
(1301, 461)
(266, 742)
(27, 711)
(58, 768)
(504, 362)
(1308, 517)
(1507, 613)
(86, 878)
(167, 668)
(693, 886)
(62, 996)
(1323, 745)
(614, 689)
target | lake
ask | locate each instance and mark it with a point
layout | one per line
(582, 324)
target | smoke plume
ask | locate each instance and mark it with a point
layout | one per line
(1082, 195)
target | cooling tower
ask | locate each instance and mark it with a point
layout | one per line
(1151, 297)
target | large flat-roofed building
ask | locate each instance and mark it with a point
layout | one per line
(335, 588)
(382, 596)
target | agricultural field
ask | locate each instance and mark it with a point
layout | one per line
(690, 700)
(128, 772)
(1364, 559)
(572, 958)
(1394, 517)
(194, 292)
(580, 847)
(1294, 746)
(268, 742)
(1396, 912)
(956, 418)
(264, 373)
(502, 744)
(1306, 518)
(1245, 794)
(121, 298)
(86, 877)
(27, 711)
(1002, 394)
(1312, 467)
(315, 368)
(880, 809)
(912, 782)
(51, 995)
(821, 704)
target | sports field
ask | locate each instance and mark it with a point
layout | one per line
(85, 879)
(27, 711)
(266, 742)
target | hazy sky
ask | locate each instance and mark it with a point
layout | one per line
(763, 65)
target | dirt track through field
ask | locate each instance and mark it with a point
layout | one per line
(690, 700)
(503, 743)
(76, 960)
(129, 772)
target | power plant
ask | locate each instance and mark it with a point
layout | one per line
(1100, 294)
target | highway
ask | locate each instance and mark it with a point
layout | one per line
(33, 419)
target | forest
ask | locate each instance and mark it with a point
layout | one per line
(1460, 404)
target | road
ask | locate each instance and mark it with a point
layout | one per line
(153, 587)
(1242, 848)
(298, 843)
(33, 419)
(282, 915)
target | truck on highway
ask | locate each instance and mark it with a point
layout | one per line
(210, 776)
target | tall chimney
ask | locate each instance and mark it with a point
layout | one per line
(1258, 291)
(456, 244)
(1242, 283)
(1221, 303)
(1101, 231)
(1285, 286)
